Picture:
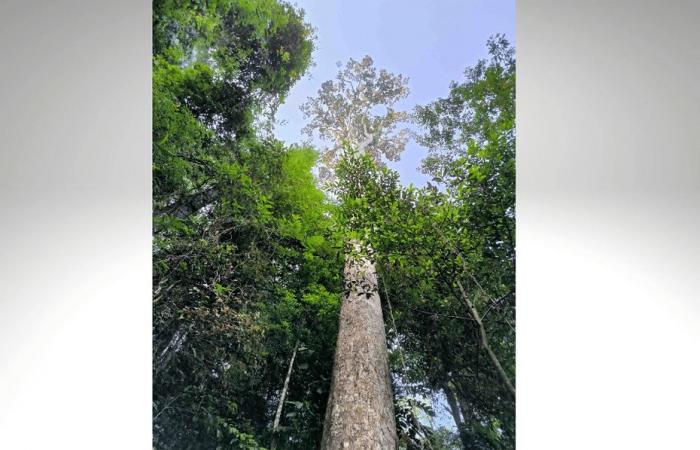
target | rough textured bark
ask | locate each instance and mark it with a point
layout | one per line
(360, 412)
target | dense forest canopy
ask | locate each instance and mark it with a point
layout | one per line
(248, 245)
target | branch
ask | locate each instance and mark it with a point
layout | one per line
(190, 204)
(174, 345)
(484, 338)
(172, 400)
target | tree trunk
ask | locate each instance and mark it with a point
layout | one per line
(454, 407)
(283, 395)
(360, 411)
(456, 413)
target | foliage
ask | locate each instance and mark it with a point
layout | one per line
(470, 134)
(245, 261)
(345, 112)
(241, 57)
(234, 289)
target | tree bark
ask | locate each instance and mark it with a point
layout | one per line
(360, 411)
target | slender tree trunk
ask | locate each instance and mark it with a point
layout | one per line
(360, 411)
(456, 413)
(454, 407)
(283, 395)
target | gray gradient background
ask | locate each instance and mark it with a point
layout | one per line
(608, 212)
(608, 208)
(75, 311)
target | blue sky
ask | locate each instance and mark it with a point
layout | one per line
(430, 41)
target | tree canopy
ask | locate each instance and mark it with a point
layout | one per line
(357, 110)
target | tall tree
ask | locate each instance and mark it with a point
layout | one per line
(447, 256)
(360, 409)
